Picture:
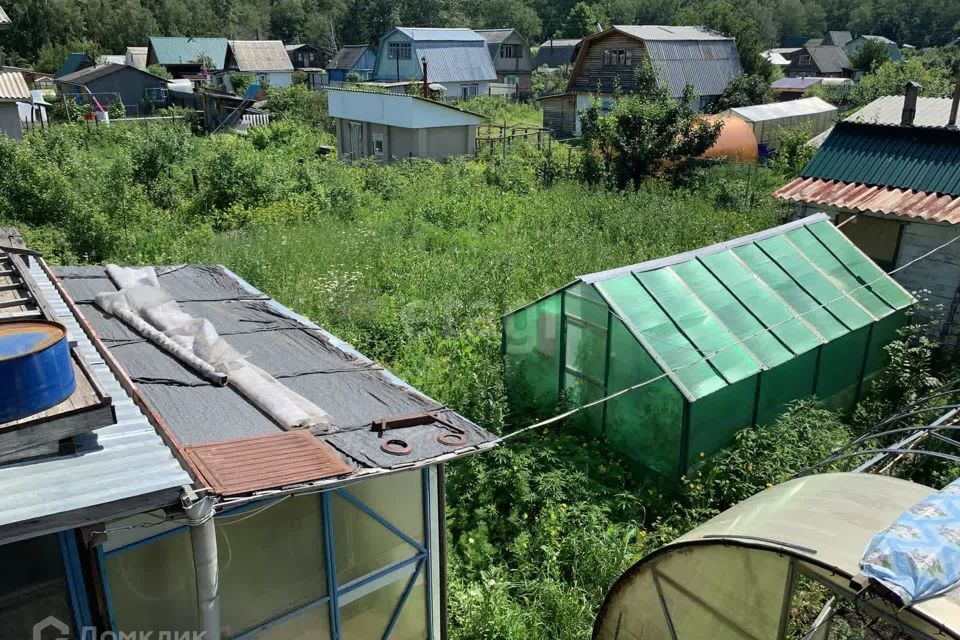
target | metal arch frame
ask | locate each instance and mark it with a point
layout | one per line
(337, 595)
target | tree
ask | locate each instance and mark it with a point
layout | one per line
(580, 22)
(743, 91)
(890, 77)
(872, 53)
(732, 21)
(160, 70)
(644, 130)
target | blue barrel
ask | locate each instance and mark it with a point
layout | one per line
(36, 371)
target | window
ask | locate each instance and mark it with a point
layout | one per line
(33, 586)
(378, 144)
(509, 51)
(398, 51)
(618, 57)
(805, 59)
(469, 90)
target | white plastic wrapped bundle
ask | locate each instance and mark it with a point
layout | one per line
(147, 307)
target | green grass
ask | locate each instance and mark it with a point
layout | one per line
(414, 264)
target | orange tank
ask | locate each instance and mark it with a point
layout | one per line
(736, 142)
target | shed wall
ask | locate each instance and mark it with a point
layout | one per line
(10, 120)
(560, 115)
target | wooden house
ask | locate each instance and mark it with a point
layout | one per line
(101, 86)
(265, 60)
(895, 169)
(188, 57)
(608, 60)
(394, 126)
(822, 61)
(305, 56)
(352, 58)
(459, 59)
(511, 57)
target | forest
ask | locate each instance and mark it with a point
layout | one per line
(46, 29)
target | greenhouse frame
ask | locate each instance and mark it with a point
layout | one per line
(724, 337)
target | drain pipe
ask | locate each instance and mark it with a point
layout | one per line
(203, 539)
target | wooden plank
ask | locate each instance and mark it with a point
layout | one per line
(31, 285)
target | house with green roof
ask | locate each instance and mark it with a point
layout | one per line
(899, 181)
(690, 348)
(188, 57)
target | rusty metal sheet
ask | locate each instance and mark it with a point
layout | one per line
(245, 465)
(853, 196)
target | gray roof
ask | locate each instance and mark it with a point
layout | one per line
(829, 58)
(882, 39)
(4, 18)
(457, 61)
(259, 55)
(421, 34)
(650, 32)
(353, 390)
(111, 58)
(92, 73)
(555, 53)
(689, 55)
(124, 461)
(838, 38)
(496, 35)
(931, 112)
(347, 56)
(13, 87)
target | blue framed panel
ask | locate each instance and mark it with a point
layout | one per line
(337, 595)
(76, 585)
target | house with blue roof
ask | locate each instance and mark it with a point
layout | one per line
(75, 62)
(456, 58)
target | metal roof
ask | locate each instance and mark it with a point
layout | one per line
(4, 18)
(348, 56)
(708, 65)
(872, 199)
(555, 53)
(457, 61)
(123, 461)
(260, 55)
(13, 87)
(788, 109)
(838, 38)
(93, 73)
(354, 391)
(171, 51)
(921, 159)
(421, 34)
(671, 33)
(496, 35)
(743, 301)
(74, 62)
(799, 84)
(396, 109)
(775, 58)
(112, 59)
(137, 57)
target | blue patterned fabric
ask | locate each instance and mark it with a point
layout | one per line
(918, 556)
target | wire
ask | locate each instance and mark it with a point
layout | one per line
(845, 295)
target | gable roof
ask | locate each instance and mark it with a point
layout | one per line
(681, 56)
(743, 301)
(556, 53)
(920, 159)
(74, 62)
(180, 50)
(838, 38)
(396, 109)
(294, 47)
(931, 112)
(259, 55)
(4, 19)
(828, 58)
(348, 56)
(423, 34)
(93, 73)
(496, 35)
(13, 87)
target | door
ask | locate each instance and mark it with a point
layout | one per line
(357, 150)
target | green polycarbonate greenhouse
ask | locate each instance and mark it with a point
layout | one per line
(730, 333)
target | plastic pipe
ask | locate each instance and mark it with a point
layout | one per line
(203, 539)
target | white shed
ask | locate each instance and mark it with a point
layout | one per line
(768, 119)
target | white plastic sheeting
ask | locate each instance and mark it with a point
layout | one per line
(149, 309)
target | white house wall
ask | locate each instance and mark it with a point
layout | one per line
(10, 120)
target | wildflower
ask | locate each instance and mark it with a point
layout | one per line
(470, 540)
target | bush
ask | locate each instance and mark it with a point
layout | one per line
(793, 151)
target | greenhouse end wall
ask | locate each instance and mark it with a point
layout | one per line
(572, 341)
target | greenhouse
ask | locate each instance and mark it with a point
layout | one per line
(724, 337)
